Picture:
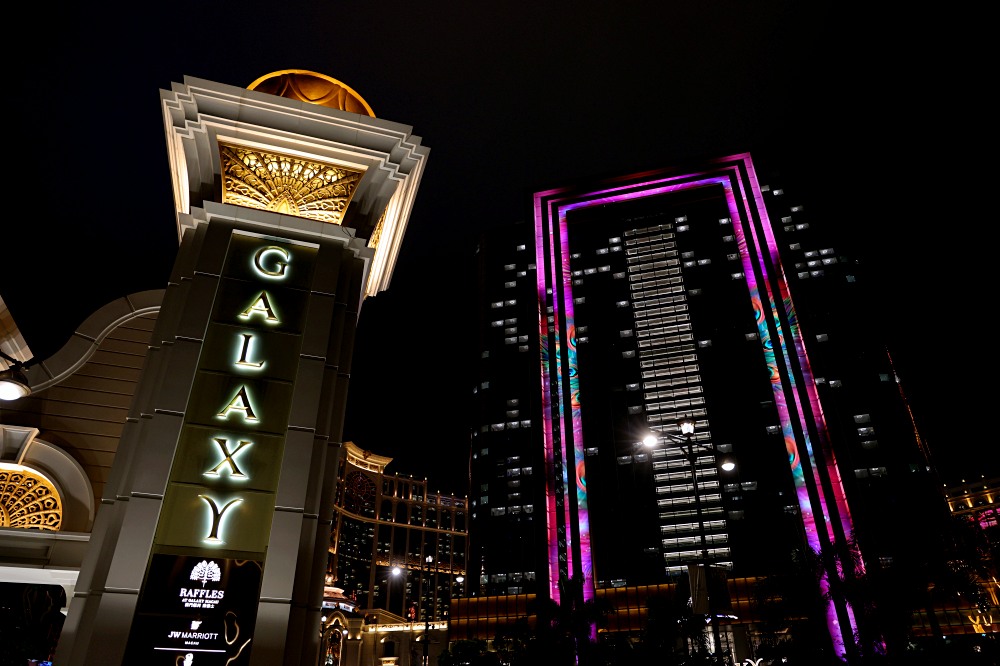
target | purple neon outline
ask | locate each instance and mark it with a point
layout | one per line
(641, 189)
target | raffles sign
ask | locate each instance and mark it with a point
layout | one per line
(199, 600)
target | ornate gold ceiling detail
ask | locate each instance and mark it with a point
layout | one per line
(289, 185)
(28, 500)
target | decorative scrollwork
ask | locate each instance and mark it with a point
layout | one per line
(28, 500)
(283, 184)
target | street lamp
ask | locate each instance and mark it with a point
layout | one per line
(688, 445)
(427, 616)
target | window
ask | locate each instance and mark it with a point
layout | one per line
(510, 284)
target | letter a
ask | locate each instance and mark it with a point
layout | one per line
(239, 403)
(261, 306)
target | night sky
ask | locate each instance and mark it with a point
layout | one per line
(872, 116)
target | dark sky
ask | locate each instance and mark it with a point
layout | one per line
(871, 110)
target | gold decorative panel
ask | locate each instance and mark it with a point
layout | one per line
(289, 185)
(313, 87)
(28, 500)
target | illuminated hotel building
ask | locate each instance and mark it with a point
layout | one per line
(384, 522)
(630, 304)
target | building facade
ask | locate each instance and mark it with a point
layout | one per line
(385, 527)
(192, 512)
(704, 293)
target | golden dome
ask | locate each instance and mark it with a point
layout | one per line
(312, 87)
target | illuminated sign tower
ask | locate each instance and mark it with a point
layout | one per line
(210, 546)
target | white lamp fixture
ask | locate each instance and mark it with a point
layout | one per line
(13, 383)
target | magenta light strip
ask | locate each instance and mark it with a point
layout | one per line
(551, 520)
(551, 208)
(802, 492)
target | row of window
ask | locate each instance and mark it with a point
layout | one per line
(511, 510)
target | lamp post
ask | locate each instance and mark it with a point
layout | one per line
(688, 445)
(427, 616)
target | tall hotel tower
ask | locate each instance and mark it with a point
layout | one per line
(699, 294)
